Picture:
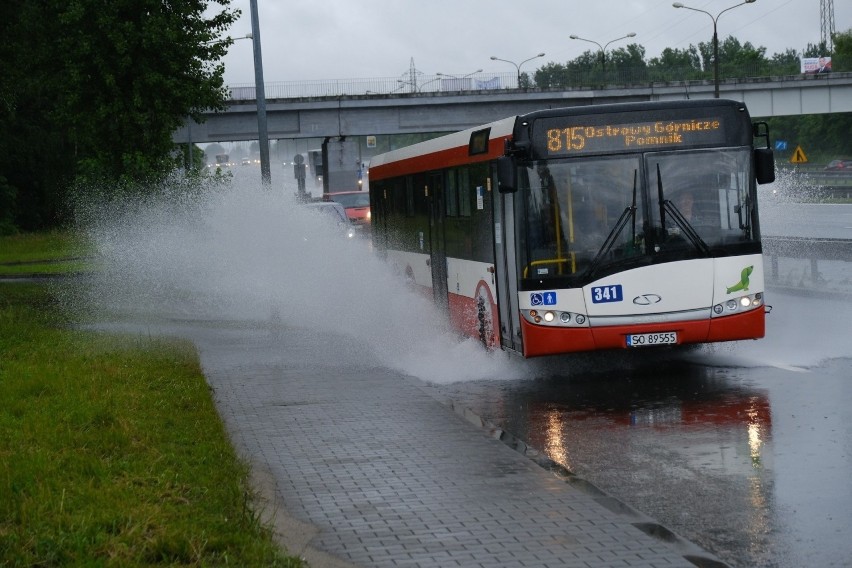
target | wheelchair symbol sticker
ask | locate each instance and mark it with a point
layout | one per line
(543, 299)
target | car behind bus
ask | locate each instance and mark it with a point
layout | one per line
(356, 203)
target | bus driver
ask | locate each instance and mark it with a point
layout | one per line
(684, 202)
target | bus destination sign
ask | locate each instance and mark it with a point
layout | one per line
(578, 138)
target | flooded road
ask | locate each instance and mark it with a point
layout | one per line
(744, 449)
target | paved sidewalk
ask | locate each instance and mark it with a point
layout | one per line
(362, 467)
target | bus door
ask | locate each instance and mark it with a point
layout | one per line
(505, 270)
(437, 251)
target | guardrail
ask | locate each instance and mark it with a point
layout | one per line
(801, 247)
(819, 182)
(419, 82)
(810, 264)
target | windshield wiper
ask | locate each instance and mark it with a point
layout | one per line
(630, 211)
(687, 228)
(679, 219)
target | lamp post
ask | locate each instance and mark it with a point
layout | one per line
(517, 65)
(715, 39)
(423, 85)
(603, 47)
(260, 94)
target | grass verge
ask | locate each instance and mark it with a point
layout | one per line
(48, 253)
(112, 452)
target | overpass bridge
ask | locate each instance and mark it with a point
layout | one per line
(404, 113)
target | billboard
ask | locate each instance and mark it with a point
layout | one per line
(493, 83)
(813, 65)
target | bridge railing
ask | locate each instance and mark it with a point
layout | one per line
(376, 86)
(542, 79)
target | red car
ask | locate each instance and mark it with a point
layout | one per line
(356, 203)
(839, 165)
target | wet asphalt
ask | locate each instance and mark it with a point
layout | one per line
(358, 465)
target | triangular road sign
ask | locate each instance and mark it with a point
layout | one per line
(798, 156)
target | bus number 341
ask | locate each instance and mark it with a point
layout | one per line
(602, 294)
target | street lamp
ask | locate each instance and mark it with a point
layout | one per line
(603, 47)
(260, 95)
(517, 65)
(715, 39)
(423, 85)
(227, 39)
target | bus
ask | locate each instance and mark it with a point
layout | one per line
(223, 160)
(586, 228)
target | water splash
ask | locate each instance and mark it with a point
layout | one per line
(789, 186)
(801, 332)
(243, 252)
(238, 252)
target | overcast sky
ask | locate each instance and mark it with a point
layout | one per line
(347, 39)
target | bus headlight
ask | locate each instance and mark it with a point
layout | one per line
(554, 318)
(739, 305)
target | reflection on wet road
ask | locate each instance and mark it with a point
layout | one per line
(696, 447)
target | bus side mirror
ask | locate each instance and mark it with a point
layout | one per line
(764, 165)
(506, 175)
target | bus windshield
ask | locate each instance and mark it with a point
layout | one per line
(588, 217)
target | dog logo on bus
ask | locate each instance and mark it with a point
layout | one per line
(743, 283)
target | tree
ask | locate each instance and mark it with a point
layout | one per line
(94, 93)
(551, 75)
(31, 141)
(143, 62)
(815, 49)
(741, 60)
(628, 63)
(786, 63)
(630, 56)
(212, 150)
(676, 64)
(735, 59)
(822, 136)
(841, 59)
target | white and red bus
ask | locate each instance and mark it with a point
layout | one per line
(585, 228)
